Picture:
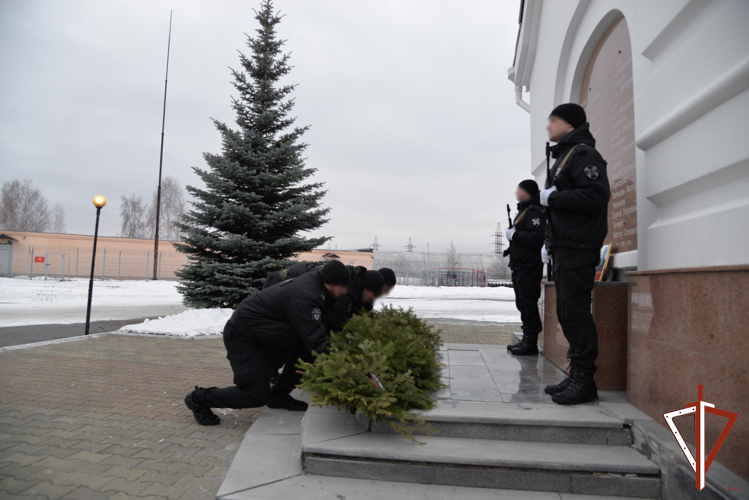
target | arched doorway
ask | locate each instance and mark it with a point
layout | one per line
(607, 96)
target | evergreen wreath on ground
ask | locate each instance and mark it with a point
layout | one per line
(382, 365)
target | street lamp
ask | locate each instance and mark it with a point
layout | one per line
(99, 202)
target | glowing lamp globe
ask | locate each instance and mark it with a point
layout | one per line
(99, 201)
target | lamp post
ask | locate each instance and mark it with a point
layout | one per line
(99, 202)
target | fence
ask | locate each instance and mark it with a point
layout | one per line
(453, 277)
(111, 263)
(419, 268)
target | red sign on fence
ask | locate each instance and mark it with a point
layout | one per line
(39, 259)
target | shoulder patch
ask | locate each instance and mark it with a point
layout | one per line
(536, 222)
(316, 314)
(591, 172)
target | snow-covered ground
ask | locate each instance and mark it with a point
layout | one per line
(35, 302)
(492, 305)
(496, 305)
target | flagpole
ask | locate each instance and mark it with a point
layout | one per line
(161, 157)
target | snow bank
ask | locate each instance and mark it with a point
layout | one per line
(191, 323)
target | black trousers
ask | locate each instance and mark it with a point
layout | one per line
(252, 377)
(574, 274)
(526, 281)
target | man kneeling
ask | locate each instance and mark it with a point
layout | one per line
(290, 321)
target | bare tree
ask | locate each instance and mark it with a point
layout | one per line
(499, 268)
(133, 216)
(453, 257)
(23, 207)
(58, 219)
(172, 209)
(139, 219)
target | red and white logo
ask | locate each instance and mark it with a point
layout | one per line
(700, 465)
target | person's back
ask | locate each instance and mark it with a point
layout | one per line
(296, 309)
(276, 277)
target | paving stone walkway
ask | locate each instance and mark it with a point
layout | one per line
(104, 418)
(477, 333)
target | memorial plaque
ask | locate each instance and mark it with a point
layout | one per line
(608, 98)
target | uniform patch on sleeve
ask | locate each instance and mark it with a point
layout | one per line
(316, 314)
(536, 222)
(591, 172)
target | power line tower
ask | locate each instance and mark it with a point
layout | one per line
(498, 243)
(410, 247)
(375, 245)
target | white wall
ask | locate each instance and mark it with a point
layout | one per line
(691, 81)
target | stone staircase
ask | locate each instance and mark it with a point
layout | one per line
(515, 446)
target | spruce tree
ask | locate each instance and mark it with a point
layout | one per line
(256, 203)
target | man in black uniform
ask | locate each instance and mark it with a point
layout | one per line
(526, 237)
(578, 203)
(363, 288)
(390, 280)
(289, 320)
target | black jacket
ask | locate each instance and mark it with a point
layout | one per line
(299, 309)
(351, 303)
(530, 233)
(579, 209)
(276, 277)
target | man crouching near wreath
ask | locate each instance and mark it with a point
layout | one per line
(289, 320)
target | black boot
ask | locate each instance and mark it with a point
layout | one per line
(516, 344)
(581, 388)
(286, 403)
(203, 414)
(526, 347)
(561, 386)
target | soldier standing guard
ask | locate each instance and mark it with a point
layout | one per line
(526, 237)
(577, 199)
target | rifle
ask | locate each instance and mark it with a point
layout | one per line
(548, 211)
(509, 220)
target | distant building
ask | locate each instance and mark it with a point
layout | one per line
(665, 84)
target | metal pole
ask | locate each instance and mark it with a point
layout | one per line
(46, 265)
(77, 252)
(31, 264)
(148, 257)
(91, 279)
(161, 156)
(104, 264)
(160, 254)
(119, 265)
(62, 267)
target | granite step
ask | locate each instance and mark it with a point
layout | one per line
(524, 422)
(518, 465)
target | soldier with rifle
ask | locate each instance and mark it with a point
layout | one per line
(526, 237)
(577, 194)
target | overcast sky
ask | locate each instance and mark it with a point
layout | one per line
(414, 126)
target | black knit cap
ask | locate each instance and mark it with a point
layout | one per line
(389, 276)
(373, 282)
(335, 273)
(572, 113)
(529, 186)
